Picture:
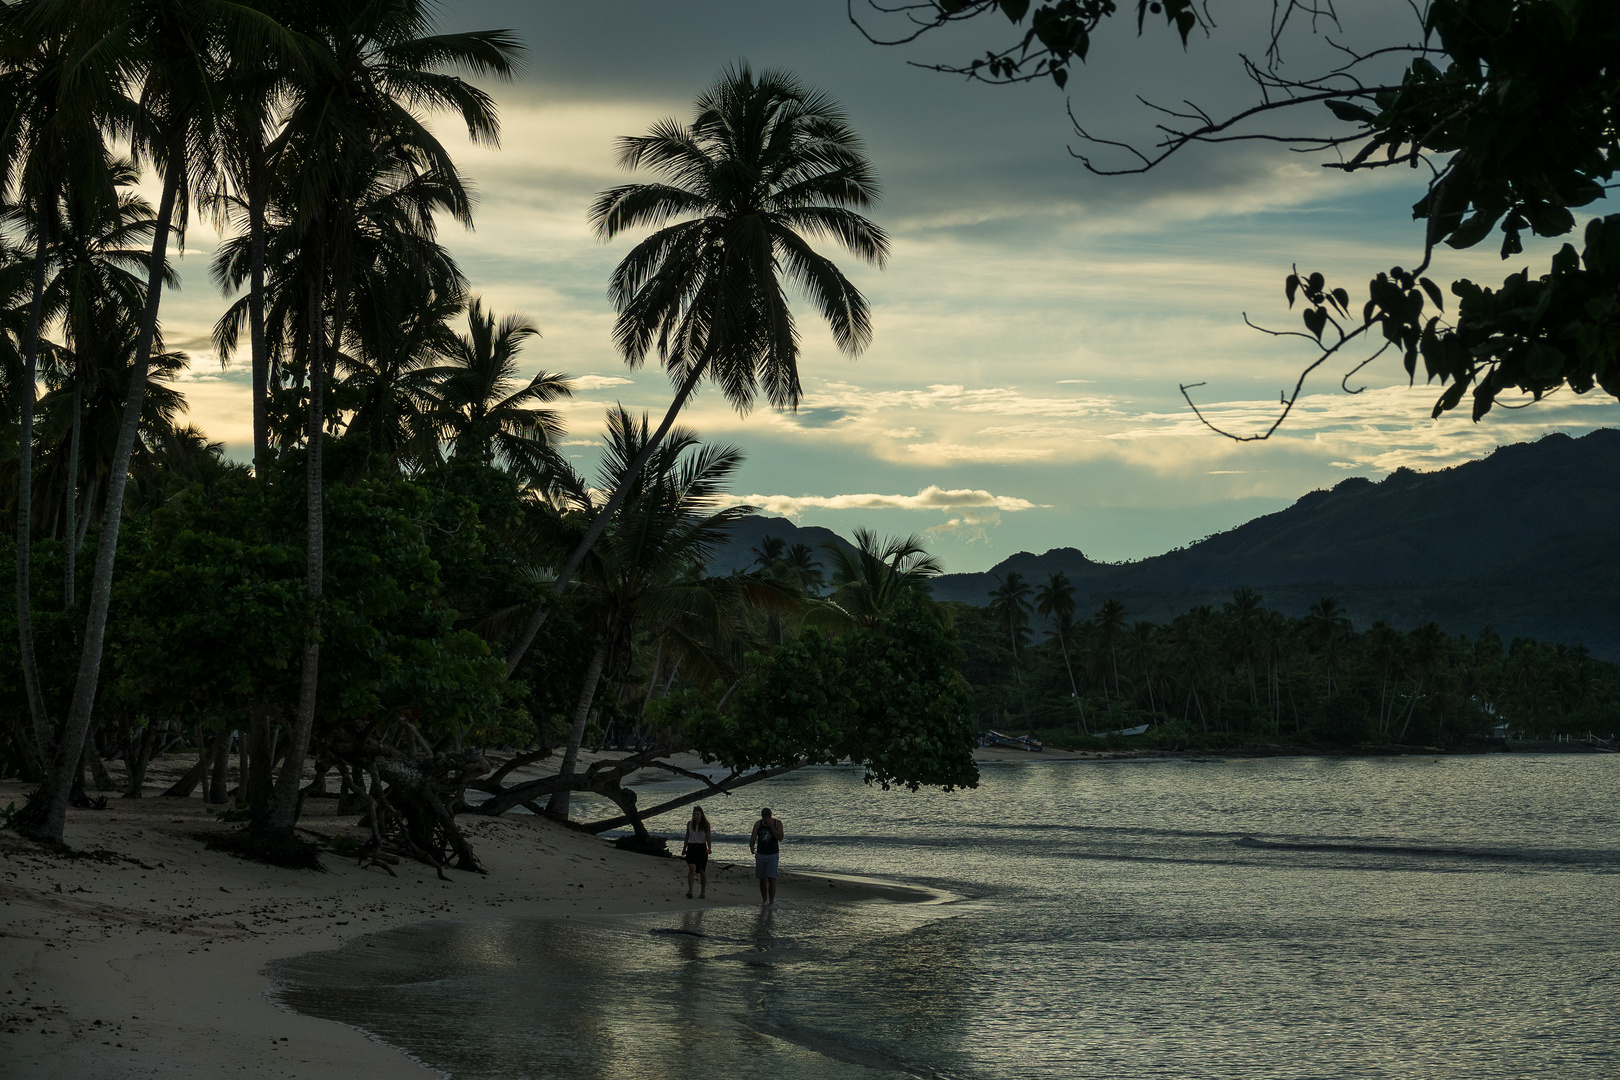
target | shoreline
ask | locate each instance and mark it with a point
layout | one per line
(143, 953)
(995, 755)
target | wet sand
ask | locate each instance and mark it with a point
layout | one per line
(142, 955)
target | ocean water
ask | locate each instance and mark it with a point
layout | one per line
(1406, 917)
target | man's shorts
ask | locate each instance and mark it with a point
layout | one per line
(765, 865)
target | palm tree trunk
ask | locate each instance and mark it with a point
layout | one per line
(1012, 631)
(615, 500)
(47, 815)
(1411, 709)
(25, 514)
(284, 807)
(71, 531)
(85, 515)
(558, 805)
(1063, 644)
(256, 337)
(1383, 693)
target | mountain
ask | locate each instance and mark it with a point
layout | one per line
(750, 531)
(1526, 541)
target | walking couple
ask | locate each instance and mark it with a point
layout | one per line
(764, 843)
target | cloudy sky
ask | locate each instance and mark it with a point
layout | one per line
(1034, 321)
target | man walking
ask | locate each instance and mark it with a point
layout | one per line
(765, 843)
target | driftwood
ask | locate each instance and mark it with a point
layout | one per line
(409, 810)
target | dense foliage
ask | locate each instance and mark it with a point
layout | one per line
(379, 595)
(1242, 673)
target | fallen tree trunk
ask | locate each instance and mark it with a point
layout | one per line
(724, 787)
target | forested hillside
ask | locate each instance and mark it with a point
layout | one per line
(1521, 541)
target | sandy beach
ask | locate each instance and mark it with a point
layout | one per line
(141, 955)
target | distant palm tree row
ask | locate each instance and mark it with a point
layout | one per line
(301, 131)
(1246, 670)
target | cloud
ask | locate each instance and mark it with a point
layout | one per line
(943, 451)
(599, 382)
(970, 528)
(931, 497)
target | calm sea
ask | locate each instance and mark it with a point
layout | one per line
(1407, 917)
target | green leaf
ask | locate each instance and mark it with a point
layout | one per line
(1472, 230)
(1316, 321)
(1185, 21)
(1434, 292)
(1014, 9)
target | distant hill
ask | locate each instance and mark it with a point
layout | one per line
(1526, 540)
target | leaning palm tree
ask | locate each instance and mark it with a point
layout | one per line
(484, 413)
(670, 523)
(765, 165)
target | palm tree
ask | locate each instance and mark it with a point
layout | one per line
(770, 552)
(869, 579)
(1055, 601)
(1427, 644)
(483, 412)
(1243, 615)
(248, 174)
(1143, 644)
(99, 271)
(670, 523)
(1009, 604)
(93, 416)
(397, 338)
(1110, 623)
(805, 568)
(1384, 643)
(351, 129)
(50, 142)
(1325, 627)
(171, 50)
(1187, 642)
(765, 163)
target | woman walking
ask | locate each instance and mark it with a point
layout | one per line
(699, 842)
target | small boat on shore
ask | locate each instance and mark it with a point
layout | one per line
(1140, 729)
(1011, 742)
